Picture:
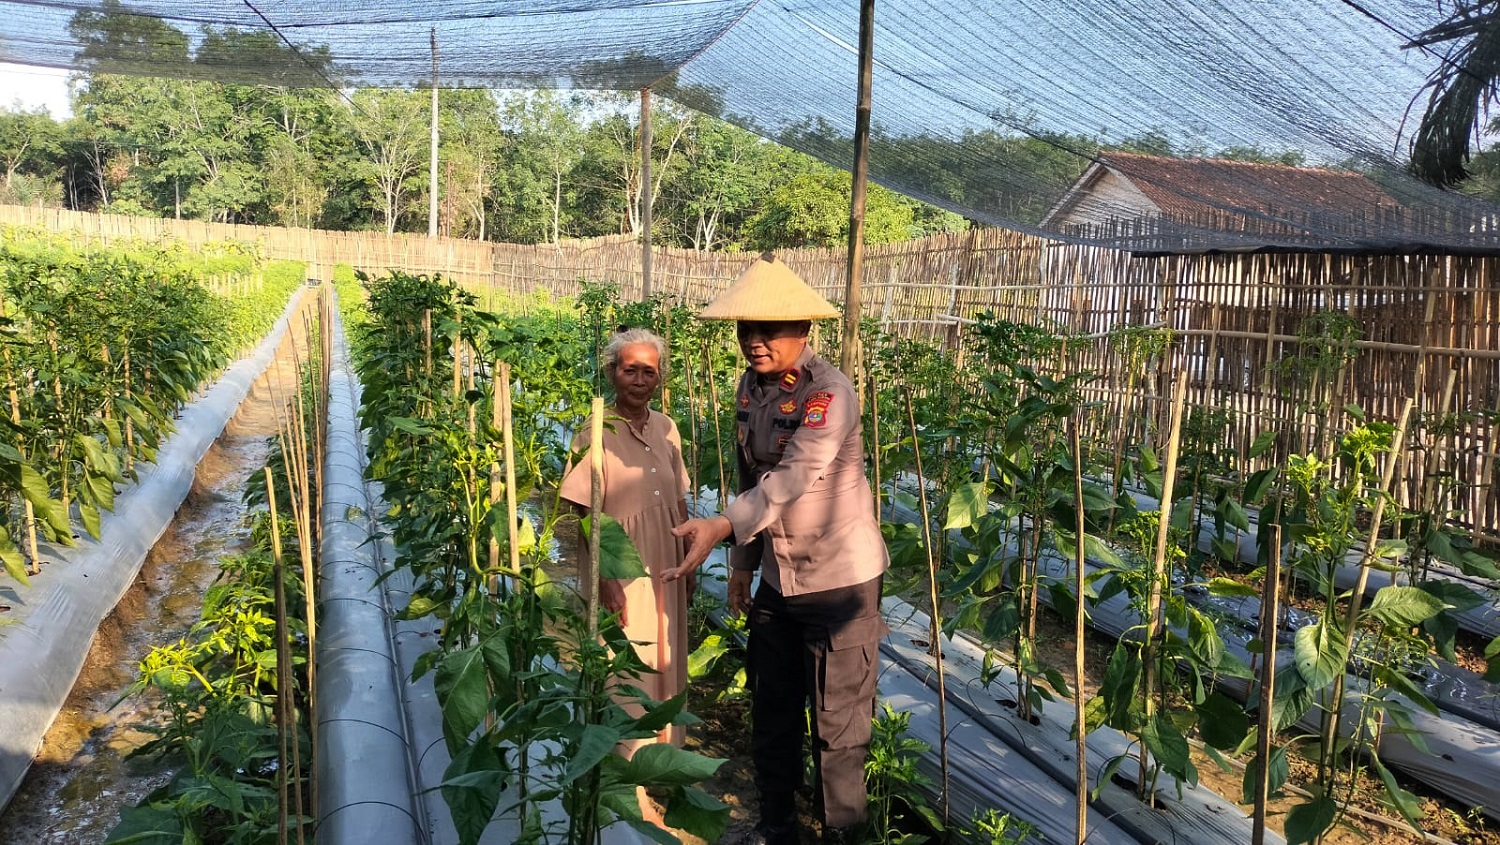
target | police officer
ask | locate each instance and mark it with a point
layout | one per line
(804, 519)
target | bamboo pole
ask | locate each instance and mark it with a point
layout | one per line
(1154, 618)
(935, 628)
(596, 509)
(1080, 720)
(284, 712)
(1270, 623)
(850, 351)
(713, 405)
(508, 447)
(1357, 595)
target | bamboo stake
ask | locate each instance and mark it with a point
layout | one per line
(1357, 595)
(688, 369)
(596, 509)
(713, 404)
(875, 437)
(1158, 570)
(1081, 822)
(935, 629)
(496, 486)
(283, 673)
(1270, 623)
(508, 446)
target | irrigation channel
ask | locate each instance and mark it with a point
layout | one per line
(80, 779)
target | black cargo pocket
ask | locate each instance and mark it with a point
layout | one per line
(850, 660)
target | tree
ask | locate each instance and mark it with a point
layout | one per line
(547, 144)
(1459, 91)
(30, 144)
(392, 128)
(812, 210)
(471, 139)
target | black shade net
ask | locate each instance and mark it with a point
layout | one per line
(1011, 113)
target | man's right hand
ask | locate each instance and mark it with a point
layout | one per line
(739, 591)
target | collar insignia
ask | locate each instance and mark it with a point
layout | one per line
(789, 381)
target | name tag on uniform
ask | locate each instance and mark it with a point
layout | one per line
(786, 422)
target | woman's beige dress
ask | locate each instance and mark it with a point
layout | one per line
(644, 483)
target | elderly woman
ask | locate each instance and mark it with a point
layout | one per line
(644, 484)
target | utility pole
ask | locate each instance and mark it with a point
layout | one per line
(850, 360)
(432, 170)
(646, 194)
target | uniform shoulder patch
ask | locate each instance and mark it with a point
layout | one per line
(744, 399)
(816, 409)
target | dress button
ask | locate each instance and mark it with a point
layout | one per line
(657, 492)
(653, 469)
(648, 448)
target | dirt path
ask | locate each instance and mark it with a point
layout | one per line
(81, 780)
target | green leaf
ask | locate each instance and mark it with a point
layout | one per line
(1230, 588)
(39, 494)
(89, 516)
(408, 425)
(418, 606)
(695, 811)
(1222, 722)
(1306, 822)
(471, 787)
(1182, 514)
(1320, 655)
(1118, 690)
(1403, 607)
(661, 714)
(594, 745)
(1234, 514)
(1170, 748)
(1407, 804)
(618, 556)
(150, 824)
(1454, 594)
(1397, 680)
(462, 689)
(1263, 441)
(1099, 551)
(967, 504)
(1259, 485)
(1280, 771)
(663, 764)
(705, 655)
(10, 556)
(1003, 620)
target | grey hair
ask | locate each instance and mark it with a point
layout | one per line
(610, 358)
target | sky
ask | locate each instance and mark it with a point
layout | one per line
(34, 86)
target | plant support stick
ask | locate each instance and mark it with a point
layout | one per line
(936, 610)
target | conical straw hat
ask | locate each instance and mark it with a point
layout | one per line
(768, 290)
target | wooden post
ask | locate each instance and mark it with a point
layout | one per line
(850, 347)
(432, 169)
(1270, 620)
(646, 194)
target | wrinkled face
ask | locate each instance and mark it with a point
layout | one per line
(772, 346)
(637, 374)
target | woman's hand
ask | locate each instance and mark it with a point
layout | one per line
(612, 596)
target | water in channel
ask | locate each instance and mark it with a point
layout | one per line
(81, 778)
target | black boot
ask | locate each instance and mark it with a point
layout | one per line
(778, 821)
(851, 835)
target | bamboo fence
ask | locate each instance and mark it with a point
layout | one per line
(1236, 320)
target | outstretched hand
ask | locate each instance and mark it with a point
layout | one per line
(701, 535)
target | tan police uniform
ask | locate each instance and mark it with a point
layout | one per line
(805, 518)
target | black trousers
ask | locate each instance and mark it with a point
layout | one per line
(819, 650)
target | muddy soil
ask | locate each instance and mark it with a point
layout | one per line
(81, 779)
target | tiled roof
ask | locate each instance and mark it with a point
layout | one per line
(1189, 187)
